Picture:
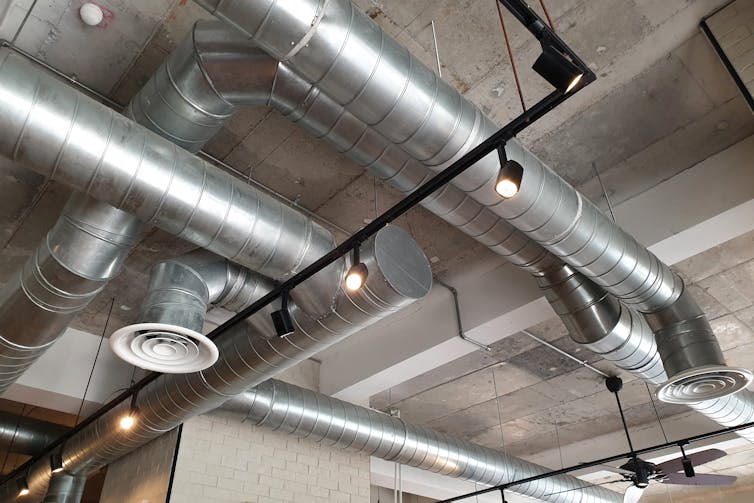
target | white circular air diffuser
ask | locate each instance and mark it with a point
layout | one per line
(164, 348)
(704, 383)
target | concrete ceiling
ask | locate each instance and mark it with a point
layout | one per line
(663, 104)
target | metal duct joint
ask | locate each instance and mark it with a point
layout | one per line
(168, 336)
(65, 488)
(692, 356)
(399, 273)
(92, 149)
(598, 322)
(83, 251)
(320, 418)
(351, 59)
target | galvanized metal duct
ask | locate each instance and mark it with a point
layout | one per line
(320, 418)
(398, 275)
(26, 435)
(65, 488)
(58, 132)
(214, 71)
(620, 335)
(168, 336)
(350, 58)
(83, 251)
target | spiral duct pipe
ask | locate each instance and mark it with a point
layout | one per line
(65, 488)
(320, 418)
(331, 44)
(26, 435)
(399, 274)
(60, 133)
(83, 251)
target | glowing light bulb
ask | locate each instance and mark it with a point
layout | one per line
(506, 188)
(356, 276)
(23, 492)
(127, 422)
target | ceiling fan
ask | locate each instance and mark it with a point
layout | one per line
(677, 471)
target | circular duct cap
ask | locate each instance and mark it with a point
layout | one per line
(160, 347)
(704, 383)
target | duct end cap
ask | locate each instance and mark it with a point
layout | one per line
(163, 347)
(704, 383)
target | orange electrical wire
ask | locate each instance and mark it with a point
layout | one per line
(510, 55)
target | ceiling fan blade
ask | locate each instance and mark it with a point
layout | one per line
(615, 469)
(700, 479)
(632, 494)
(698, 458)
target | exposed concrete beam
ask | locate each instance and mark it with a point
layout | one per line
(59, 378)
(693, 211)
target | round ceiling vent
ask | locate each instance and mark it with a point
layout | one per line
(704, 383)
(164, 348)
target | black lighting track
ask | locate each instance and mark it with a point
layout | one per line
(676, 443)
(540, 29)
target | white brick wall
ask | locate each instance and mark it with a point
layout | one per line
(733, 27)
(143, 475)
(221, 460)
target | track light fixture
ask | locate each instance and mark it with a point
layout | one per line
(282, 318)
(688, 465)
(509, 179)
(129, 420)
(23, 486)
(555, 67)
(357, 273)
(56, 461)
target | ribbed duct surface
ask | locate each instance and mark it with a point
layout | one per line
(59, 133)
(215, 70)
(65, 488)
(351, 59)
(83, 251)
(398, 274)
(26, 435)
(284, 407)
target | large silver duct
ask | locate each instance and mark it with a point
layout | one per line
(351, 59)
(320, 418)
(398, 274)
(214, 71)
(65, 488)
(83, 251)
(26, 435)
(58, 132)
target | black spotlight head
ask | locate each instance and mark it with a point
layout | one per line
(282, 318)
(642, 470)
(23, 486)
(509, 179)
(614, 384)
(557, 69)
(56, 462)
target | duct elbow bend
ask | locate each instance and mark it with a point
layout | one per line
(692, 356)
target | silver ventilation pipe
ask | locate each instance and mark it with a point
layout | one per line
(65, 488)
(59, 133)
(215, 71)
(168, 335)
(26, 435)
(399, 274)
(83, 251)
(350, 58)
(320, 418)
